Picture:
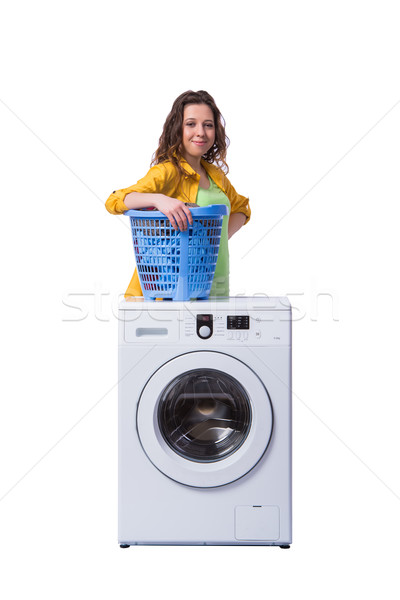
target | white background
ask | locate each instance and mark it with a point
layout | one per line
(310, 93)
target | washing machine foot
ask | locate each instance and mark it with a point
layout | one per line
(124, 546)
(284, 547)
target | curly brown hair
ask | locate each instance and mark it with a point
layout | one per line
(171, 137)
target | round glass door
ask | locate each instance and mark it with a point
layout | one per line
(204, 419)
(204, 415)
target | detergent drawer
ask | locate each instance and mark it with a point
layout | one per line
(151, 326)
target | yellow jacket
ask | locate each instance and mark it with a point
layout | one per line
(162, 179)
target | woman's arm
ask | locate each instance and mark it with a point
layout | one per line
(236, 221)
(136, 200)
(176, 211)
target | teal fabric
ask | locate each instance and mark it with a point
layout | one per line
(214, 195)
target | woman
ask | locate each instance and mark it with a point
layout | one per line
(189, 166)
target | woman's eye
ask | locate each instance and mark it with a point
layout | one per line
(209, 125)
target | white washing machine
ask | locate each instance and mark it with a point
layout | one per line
(205, 422)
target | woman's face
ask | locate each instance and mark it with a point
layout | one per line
(198, 131)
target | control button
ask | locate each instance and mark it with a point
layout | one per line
(204, 331)
(229, 335)
(238, 335)
(258, 334)
(245, 335)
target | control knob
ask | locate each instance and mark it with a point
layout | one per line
(204, 331)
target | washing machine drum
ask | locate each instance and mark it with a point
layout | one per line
(205, 426)
(204, 415)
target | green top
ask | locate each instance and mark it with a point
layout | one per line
(214, 195)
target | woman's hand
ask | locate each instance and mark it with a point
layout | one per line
(177, 212)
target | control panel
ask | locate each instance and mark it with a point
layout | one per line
(223, 328)
(207, 329)
(202, 325)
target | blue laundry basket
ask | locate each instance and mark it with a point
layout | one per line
(177, 265)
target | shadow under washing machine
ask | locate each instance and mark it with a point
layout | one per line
(205, 422)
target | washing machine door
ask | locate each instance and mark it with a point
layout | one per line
(204, 419)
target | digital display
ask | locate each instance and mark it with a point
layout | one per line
(238, 322)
